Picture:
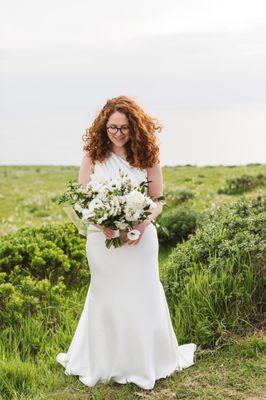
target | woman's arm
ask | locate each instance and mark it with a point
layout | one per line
(85, 171)
(155, 189)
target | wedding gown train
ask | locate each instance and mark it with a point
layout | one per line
(124, 333)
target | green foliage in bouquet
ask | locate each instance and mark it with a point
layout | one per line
(214, 281)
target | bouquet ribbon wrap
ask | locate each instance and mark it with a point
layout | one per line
(81, 226)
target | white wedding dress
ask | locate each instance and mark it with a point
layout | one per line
(125, 332)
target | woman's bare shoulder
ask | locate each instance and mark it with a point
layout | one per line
(86, 169)
(87, 157)
(155, 169)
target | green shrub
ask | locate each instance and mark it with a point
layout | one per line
(213, 282)
(177, 197)
(54, 251)
(180, 223)
(27, 296)
(243, 184)
(37, 265)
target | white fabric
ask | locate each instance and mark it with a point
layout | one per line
(125, 332)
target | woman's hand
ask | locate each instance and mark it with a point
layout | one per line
(109, 233)
(140, 227)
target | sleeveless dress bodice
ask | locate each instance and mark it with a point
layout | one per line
(109, 168)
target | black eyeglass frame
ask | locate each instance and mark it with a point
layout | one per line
(117, 128)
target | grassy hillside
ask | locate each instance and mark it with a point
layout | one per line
(28, 370)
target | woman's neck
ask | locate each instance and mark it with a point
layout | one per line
(120, 151)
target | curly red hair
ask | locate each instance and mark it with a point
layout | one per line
(142, 148)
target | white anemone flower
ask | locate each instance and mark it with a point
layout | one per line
(133, 234)
(86, 213)
(78, 207)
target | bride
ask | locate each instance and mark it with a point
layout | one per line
(124, 333)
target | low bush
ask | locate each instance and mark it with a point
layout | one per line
(180, 222)
(37, 266)
(179, 196)
(214, 281)
(53, 251)
(243, 184)
(27, 296)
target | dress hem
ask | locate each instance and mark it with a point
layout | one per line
(61, 359)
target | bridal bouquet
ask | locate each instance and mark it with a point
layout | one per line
(117, 203)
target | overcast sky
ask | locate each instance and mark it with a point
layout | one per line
(198, 66)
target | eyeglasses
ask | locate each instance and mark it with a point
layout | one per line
(114, 129)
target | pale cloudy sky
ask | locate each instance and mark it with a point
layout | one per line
(198, 66)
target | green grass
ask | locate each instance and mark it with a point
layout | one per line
(236, 371)
(29, 371)
(28, 195)
(28, 368)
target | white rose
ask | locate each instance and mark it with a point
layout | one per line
(136, 215)
(135, 198)
(129, 215)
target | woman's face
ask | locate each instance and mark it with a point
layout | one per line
(118, 120)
